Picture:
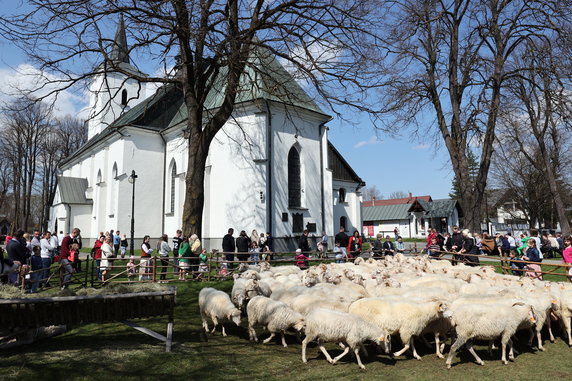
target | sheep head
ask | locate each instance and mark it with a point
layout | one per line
(300, 325)
(234, 316)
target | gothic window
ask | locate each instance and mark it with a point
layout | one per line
(124, 98)
(343, 222)
(98, 177)
(294, 179)
(342, 195)
(173, 186)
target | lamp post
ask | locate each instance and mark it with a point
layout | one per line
(132, 181)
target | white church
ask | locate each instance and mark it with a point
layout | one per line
(271, 167)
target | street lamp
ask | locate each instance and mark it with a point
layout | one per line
(132, 179)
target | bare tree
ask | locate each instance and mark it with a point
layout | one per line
(370, 193)
(398, 194)
(26, 124)
(218, 43)
(451, 59)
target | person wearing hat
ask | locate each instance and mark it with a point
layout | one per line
(301, 260)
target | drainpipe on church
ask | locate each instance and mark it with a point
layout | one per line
(164, 174)
(269, 136)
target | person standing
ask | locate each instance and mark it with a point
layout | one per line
(196, 248)
(469, 251)
(35, 239)
(343, 239)
(378, 246)
(18, 253)
(567, 257)
(242, 246)
(164, 249)
(354, 245)
(46, 250)
(145, 262)
(254, 237)
(67, 243)
(177, 241)
(533, 270)
(229, 247)
(184, 258)
(270, 245)
(303, 242)
(106, 253)
(54, 242)
(456, 244)
(388, 247)
(396, 233)
(123, 246)
(323, 246)
(96, 255)
(116, 243)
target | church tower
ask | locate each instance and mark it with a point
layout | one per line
(113, 93)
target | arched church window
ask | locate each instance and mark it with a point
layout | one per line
(294, 179)
(124, 97)
(98, 177)
(343, 222)
(173, 186)
(114, 171)
(342, 195)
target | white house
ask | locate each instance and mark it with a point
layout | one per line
(271, 167)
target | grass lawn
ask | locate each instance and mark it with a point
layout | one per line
(115, 351)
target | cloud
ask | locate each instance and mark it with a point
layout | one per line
(26, 78)
(314, 57)
(421, 146)
(372, 140)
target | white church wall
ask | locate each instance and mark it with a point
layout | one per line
(303, 130)
(350, 208)
(175, 158)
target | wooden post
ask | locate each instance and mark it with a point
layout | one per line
(169, 340)
(85, 270)
(154, 275)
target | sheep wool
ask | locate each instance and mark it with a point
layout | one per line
(339, 327)
(216, 305)
(276, 316)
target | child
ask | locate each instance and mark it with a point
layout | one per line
(131, 268)
(223, 269)
(301, 260)
(567, 257)
(254, 251)
(400, 245)
(433, 249)
(338, 253)
(74, 257)
(123, 246)
(533, 255)
(203, 266)
(516, 266)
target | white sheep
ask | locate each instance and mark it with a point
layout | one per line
(217, 306)
(339, 327)
(487, 322)
(243, 290)
(408, 319)
(275, 316)
(306, 302)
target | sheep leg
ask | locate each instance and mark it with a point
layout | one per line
(413, 348)
(345, 352)
(205, 325)
(305, 342)
(363, 350)
(568, 327)
(325, 352)
(252, 333)
(405, 348)
(284, 340)
(424, 339)
(438, 347)
(356, 351)
(504, 341)
(223, 331)
(454, 348)
(490, 348)
(472, 351)
(549, 324)
(270, 338)
(510, 350)
(531, 337)
(539, 337)
(215, 322)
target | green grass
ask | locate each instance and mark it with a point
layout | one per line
(115, 351)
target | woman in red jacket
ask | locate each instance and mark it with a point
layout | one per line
(96, 254)
(354, 246)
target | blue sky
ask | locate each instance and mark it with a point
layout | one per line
(390, 163)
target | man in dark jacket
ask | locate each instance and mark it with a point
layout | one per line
(242, 246)
(18, 253)
(343, 239)
(388, 247)
(456, 243)
(228, 247)
(303, 242)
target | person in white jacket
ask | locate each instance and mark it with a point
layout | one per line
(46, 252)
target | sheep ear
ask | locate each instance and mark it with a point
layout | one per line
(518, 304)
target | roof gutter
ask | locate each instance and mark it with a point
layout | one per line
(269, 209)
(164, 180)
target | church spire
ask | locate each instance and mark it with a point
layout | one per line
(120, 53)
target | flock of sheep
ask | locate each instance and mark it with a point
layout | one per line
(407, 297)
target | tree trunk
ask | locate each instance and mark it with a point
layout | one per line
(195, 185)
